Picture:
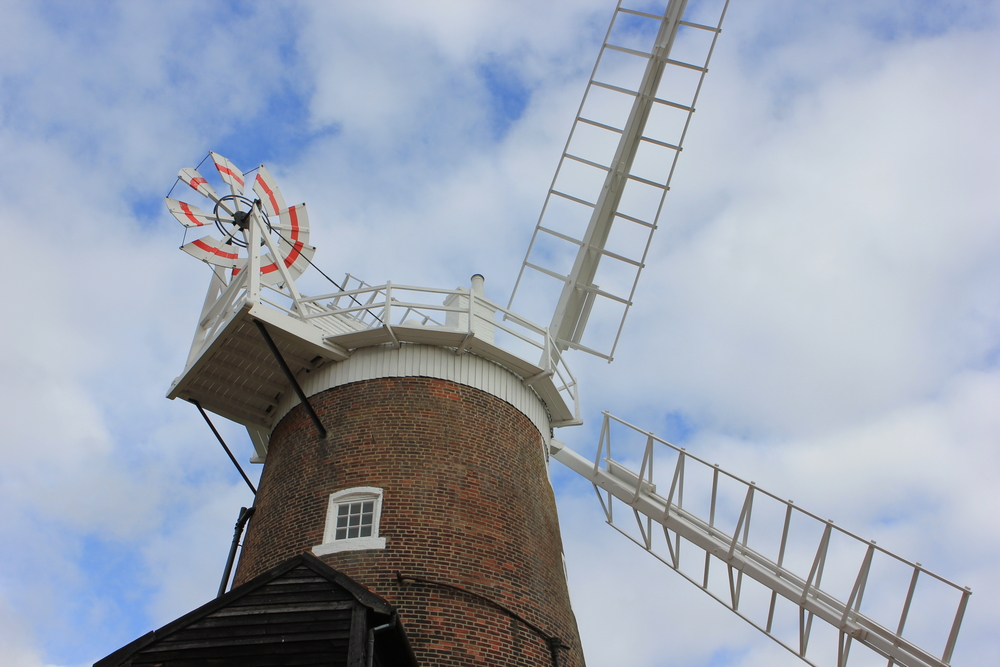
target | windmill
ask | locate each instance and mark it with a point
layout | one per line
(575, 246)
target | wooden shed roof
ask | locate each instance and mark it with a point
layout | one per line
(301, 612)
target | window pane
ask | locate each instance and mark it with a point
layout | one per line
(355, 519)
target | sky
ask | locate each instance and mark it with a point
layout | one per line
(820, 311)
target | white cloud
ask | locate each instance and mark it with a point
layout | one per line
(828, 289)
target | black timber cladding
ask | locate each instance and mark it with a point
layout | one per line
(301, 612)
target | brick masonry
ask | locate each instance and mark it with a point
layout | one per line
(466, 502)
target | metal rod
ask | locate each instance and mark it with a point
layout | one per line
(646, 460)
(371, 637)
(607, 451)
(678, 477)
(805, 626)
(291, 378)
(606, 508)
(734, 590)
(781, 558)
(224, 445)
(746, 524)
(817, 567)
(956, 625)
(647, 536)
(739, 587)
(744, 517)
(715, 493)
(859, 586)
(245, 514)
(770, 612)
(843, 649)
(670, 549)
(909, 599)
(784, 533)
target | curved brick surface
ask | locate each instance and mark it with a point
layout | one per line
(466, 502)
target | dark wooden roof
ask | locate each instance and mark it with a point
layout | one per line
(301, 612)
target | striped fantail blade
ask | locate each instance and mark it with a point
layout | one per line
(198, 183)
(267, 189)
(232, 176)
(212, 251)
(293, 225)
(192, 216)
(296, 262)
(293, 246)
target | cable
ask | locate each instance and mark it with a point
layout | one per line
(332, 281)
(553, 642)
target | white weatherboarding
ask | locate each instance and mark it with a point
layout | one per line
(776, 565)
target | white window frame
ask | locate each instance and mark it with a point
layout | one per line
(357, 494)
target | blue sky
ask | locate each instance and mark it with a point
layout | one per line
(819, 310)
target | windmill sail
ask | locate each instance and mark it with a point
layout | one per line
(775, 565)
(607, 195)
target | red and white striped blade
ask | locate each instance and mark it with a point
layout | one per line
(296, 262)
(230, 174)
(192, 216)
(293, 225)
(267, 190)
(213, 251)
(293, 246)
(198, 182)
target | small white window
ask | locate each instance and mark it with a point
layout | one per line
(352, 519)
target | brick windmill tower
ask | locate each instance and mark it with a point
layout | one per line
(403, 433)
(405, 514)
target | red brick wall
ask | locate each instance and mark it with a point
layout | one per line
(466, 502)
